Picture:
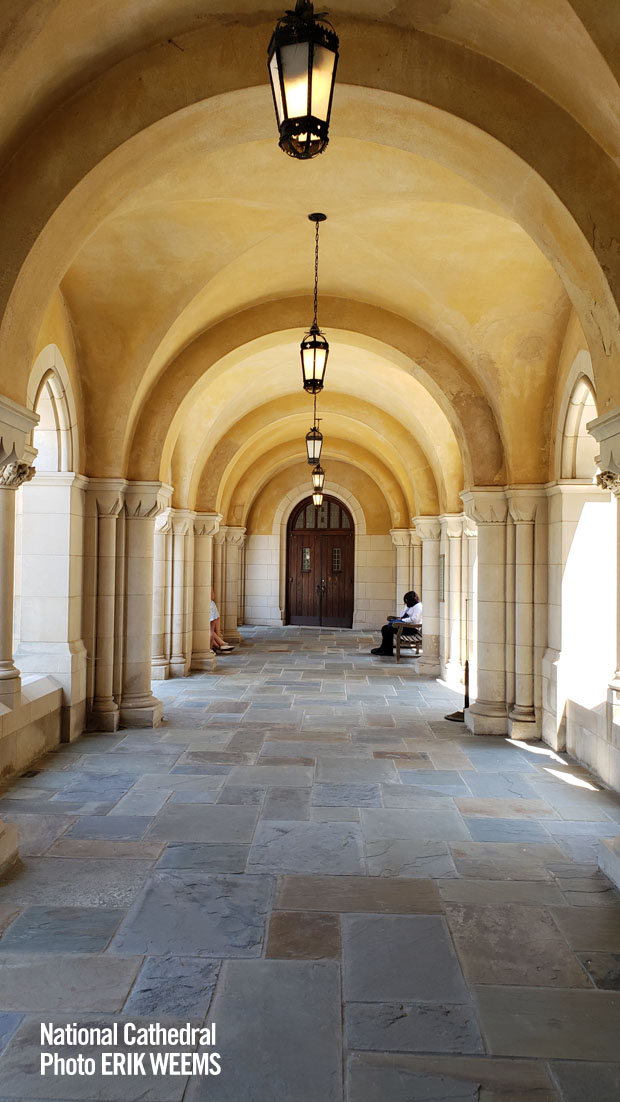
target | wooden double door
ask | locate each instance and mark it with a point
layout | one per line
(320, 565)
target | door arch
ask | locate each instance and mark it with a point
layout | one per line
(320, 556)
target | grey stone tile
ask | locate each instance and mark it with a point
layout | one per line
(335, 814)
(346, 770)
(194, 796)
(290, 1012)
(342, 795)
(549, 1024)
(62, 930)
(287, 804)
(589, 892)
(204, 823)
(185, 913)
(505, 808)
(398, 958)
(587, 1082)
(81, 982)
(498, 759)
(135, 763)
(437, 780)
(173, 986)
(505, 830)
(512, 943)
(283, 776)
(97, 849)
(122, 828)
(75, 882)
(412, 1027)
(500, 786)
(307, 847)
(204, 857)
(406, 857)
(177, 782)
(406, 795)
(241, 794)
(402, 1077)
(8, 1024)
(429, 826)
(38, 832)
(141, 803)
(342, 894)
(603, 969)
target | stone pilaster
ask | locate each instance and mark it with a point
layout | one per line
(451, 538)
(528, 506)
(182, 523)
(429, 530)
(235, 538)
(416, 561)
(219, 567)
(488, 508)
(206, 525)
(401, 538)
(12, 476)
(144, 501)
(162, 592)
(107, 496)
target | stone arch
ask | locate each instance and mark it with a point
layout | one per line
(579, 448)
(51, 396)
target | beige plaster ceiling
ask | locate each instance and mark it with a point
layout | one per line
(455, 251)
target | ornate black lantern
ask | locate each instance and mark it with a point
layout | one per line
(318, 477)
(303, 55)
(314, 348)
(317, 498)
(314, 443)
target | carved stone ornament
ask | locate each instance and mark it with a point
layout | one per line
(15, 474)
(609, 480)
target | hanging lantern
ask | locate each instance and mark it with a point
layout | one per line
(303, 55)
(314, 348)
(317, 498)
(314, 443)
(318, 477)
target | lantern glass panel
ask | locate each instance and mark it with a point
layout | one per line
(323, 64)
(294, 61)
(318, 500)
(274, 74)
(314, 443)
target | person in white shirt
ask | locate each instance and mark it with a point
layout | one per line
(411, 616)
(218, 644)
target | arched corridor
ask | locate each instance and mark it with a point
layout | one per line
(171, 603)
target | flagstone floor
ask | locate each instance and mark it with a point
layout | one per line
(368, 902)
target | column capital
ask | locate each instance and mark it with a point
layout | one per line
(181, 520)
(146, 499)
(14, 474)
(235, 534)
(606, 430)
(16, 425)
(427, 528)
(526, 503)
(401, 537)
(206, 524)
(107, 495)
(485, 504)
(452, 525)
(220, 534)
(609, 480)
(163, 523)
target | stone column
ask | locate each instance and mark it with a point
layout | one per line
(162, 590)
(401, 538)
(468, 605)
(416, 561)
(52, 582)
(235, 538)
(12, 476)
(451, 539)
(488, 715)
(108, 498)
(182, 562)
(429, 529)
(219, 562)
(143, 503)
(527, 507)
(205, 527)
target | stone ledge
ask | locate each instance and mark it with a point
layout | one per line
(609, 859)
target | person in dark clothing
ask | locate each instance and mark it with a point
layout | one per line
(411, 616)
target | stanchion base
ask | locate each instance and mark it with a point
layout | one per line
(456, 717)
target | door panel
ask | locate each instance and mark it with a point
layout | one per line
(337, 573)
(304, 578)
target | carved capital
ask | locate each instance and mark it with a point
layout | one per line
(485, 505)
(220, 535)
(15, 474)
(235, 534)
(146, 499)
(427, 528)
(180, 522)
(606, 430)
(401, 537)
(526, 504)
(608, 480)
(107, 495)
(206, 524)
(452, 525)
(16, 425)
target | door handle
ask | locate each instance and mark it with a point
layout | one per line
(320, 586)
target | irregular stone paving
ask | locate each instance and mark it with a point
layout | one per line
(370, 903)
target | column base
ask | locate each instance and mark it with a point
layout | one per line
(178, 667)
(10, 690)
(104, 719)
(9, 850)
(609, 858)
(486, 719)
(160, 669)
(204, 660)
(522, 724)
(231, 635)
(144, 711)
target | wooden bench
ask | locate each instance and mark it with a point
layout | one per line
(411, 640)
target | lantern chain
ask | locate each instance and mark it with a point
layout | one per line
(316, 270)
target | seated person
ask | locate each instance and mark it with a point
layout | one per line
(411, 616)
(217, 642)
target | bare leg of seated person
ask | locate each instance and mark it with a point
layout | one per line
(217, 642)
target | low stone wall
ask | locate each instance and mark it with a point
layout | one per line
(32, 728)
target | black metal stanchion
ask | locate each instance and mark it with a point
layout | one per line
(459, 717)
